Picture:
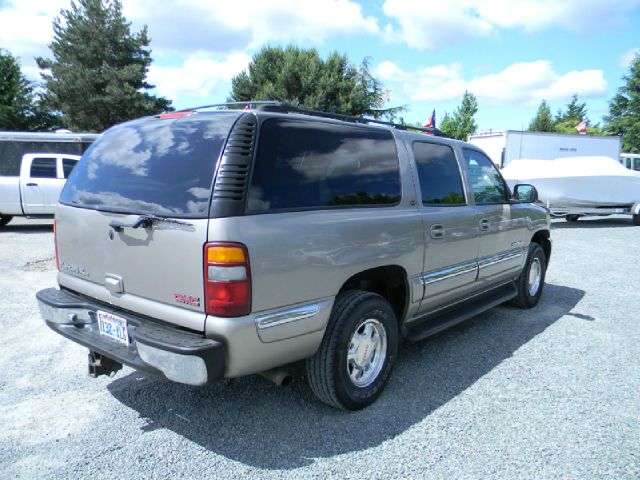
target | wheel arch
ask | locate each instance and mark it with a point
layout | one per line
(543, 238)
(389, 281)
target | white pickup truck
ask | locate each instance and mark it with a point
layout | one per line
(35, 192)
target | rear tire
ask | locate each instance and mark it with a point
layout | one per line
(571, 218)
(4, 219)
(636, 220)
(358, 351)
(531, 281)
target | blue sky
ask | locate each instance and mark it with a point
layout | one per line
(511, 54)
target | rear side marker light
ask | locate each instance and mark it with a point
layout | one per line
(227, 279)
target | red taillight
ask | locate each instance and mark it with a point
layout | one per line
(227, 279)
(55, 245)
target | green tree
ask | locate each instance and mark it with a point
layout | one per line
(19, 106)
(624, 110)
(461, 123)
(576, 111)
(97, 76)
(543, 121)
(303, 78)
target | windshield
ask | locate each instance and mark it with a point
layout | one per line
(157, 166)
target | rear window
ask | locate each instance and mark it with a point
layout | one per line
(311, 164)
(162, 167)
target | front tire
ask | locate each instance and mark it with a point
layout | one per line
(531, 281)
(358, 351)
(636, 220)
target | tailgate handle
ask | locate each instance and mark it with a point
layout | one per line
(437, 231)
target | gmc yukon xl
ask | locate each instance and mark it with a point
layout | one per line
(209, 243)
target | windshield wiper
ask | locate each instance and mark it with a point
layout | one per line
(145, 221)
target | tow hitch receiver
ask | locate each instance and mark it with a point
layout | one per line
(101, 365)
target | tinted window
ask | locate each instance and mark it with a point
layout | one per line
(43, 168)
(67, 166)
(307, 164)
(440, 180)
(157, 166)
(486, 182)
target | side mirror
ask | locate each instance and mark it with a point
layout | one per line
(525, 193)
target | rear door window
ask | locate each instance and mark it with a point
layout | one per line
(305, 164)
(156, 166)
(439, 174)
(67, 166)
(43, 168)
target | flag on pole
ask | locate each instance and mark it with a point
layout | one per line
(582, 127)
(431, 123)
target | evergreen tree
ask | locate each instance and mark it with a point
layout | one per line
(576, 111)
(624, 110)
(543, 121)
(97, 76)
(303, 78)
(19, 108)
(461, 123)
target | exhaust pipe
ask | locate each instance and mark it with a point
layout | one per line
(280, 377)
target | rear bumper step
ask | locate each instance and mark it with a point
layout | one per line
(156, 348)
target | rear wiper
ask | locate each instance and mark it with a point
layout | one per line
(145, 221)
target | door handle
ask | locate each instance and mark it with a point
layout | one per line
(437, 231)
(31, 184)
(484, 225)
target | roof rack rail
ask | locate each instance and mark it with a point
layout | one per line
(286, 107)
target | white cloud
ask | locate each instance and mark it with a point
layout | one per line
(525, 83)
(201, 75)
(222, 26)
(441, 24)
(26, 27)
(190, 27)
(627, 57)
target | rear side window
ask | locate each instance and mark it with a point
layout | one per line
(440, 179)
(43, 168)
(157, 166)
(67, 166)
(308, 164)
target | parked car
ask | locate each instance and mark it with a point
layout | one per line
(198, 245)
(35, 191)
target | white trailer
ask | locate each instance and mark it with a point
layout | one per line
(503, 147)
(34, 168)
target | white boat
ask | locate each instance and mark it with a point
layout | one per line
(578, 182)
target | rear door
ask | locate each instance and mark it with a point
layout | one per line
(39, 183)
(450, 260)
(159, 166)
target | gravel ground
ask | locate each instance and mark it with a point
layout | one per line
(552, 392)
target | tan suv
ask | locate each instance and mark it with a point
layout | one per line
(213, 243)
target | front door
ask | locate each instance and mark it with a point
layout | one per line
(450, 260)
(502, 243)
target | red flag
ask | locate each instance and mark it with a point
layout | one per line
(431, 123)
(581, 127)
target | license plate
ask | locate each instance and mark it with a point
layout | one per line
(113, 327)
